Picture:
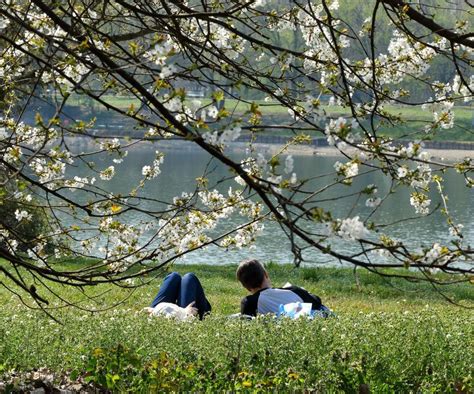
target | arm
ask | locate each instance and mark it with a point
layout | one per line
(191, 310)
(248, 306)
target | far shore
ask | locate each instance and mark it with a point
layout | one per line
(301, 150)
(327, 151)
(436, 154)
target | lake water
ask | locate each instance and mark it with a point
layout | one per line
(182, 166)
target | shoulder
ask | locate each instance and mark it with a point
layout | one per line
(294, 288)
(306, 296)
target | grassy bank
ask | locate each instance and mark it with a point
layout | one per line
(274, 113)
(390, 335)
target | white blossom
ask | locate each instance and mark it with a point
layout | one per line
(160, 51)
(402, 172)
(4, 22)
(373, 202)
(275, 179)
(212, 111)
(78, 182)
(150, 172)
(13, 154)
(173, 105)
(352, 229)
(167, 71)
(229, 134)
(293, 178)
(420, 202)
(23, 215)
(422, 176)
(108, 173)
(455, 230)
(211, 137)
(348, 170)
(434, 253)
(337, 128)
(289, 163)
(109, 144)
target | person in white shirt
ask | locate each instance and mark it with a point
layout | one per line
(180, 297)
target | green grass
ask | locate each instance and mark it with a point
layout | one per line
(391, 335)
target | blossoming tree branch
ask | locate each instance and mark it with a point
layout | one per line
(303, 56)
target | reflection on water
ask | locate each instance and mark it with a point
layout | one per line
(182, 166)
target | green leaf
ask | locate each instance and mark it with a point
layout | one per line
(74, 375)
(274, 161)
(218, 95)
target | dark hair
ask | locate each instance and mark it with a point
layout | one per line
(251, 274)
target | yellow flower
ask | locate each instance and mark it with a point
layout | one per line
(98, 352)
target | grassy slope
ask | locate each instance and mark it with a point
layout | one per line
(396, 329)
(337, 288)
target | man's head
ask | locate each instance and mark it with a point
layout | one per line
(252, 275)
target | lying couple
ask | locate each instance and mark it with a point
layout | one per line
(182, 297)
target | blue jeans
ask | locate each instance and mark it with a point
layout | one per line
(182, 291)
